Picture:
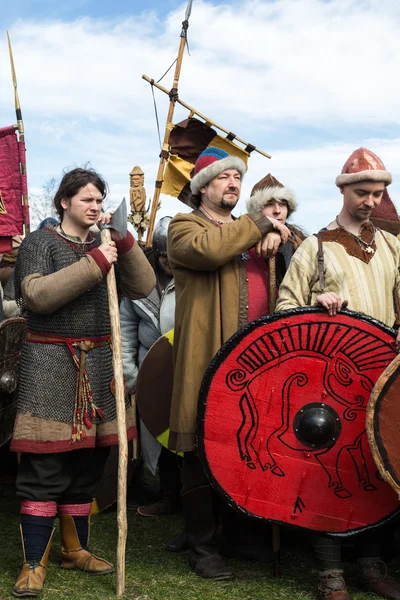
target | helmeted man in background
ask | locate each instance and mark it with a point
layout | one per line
(208, 253)
(352, 261)
(66, 419)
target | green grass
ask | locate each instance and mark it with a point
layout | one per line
(154, 574)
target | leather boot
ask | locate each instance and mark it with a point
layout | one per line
(76, 557)
(242, 537)
(166, 505)
(375, 578)
(178, 543)
(201, 525)
(31, 579)
(332, 585)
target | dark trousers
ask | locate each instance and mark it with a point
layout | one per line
(193, 475)
(63, 477)
(169, 467)
(199, 508)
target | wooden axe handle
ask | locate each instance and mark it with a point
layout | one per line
(122, 522)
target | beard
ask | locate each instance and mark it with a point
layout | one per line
(231, 203)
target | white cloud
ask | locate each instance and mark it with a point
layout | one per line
(265, 69)
(309, 60)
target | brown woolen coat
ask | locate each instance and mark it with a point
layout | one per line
(211, 304)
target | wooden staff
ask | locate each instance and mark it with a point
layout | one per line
(209, 122)
(19, 126)
(276, 550)
(173, 95)
(272, 284)
(122, 521)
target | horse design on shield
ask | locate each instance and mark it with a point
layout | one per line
(282, 420)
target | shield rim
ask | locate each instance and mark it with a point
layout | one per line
(3, 324)
(221, 355)
(378, 449)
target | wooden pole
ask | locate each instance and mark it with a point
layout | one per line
(173, 96)
(276, 550)
(135, 441)
(20, 125)
(193, 111)
(272, 284)
(121, 420)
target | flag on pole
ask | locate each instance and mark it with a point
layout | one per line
(13, 185)
(187, 141)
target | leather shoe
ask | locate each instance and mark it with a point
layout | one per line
(332, 585)
(209, 567)
(178, 543)
(375, 578)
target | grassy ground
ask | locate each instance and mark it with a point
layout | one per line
(154, 574)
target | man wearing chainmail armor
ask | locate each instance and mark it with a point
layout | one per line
(66, 418)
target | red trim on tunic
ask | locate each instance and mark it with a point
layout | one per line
(75, 510)
(112, 439)
(125, 244)
(38, 509)
(101, 260)
(67, 445)
(258, 285)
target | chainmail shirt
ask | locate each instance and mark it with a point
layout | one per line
(48, 377)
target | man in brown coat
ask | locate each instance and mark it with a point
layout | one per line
(208, 252)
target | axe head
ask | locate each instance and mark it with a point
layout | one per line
(119, 220)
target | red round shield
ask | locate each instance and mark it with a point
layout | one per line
(281, 423)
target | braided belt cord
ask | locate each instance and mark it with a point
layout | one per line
(84, 407)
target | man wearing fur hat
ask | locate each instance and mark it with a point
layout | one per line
(273, 199)
(208, 252)
(352, 261)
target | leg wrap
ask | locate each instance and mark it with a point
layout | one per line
(328, 552)
(37, 526)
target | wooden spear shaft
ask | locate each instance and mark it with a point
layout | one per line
(206, 119)
(165, 146)
(272, 284)
(20, 125)
(121, 420)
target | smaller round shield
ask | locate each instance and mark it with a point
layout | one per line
(12, 336)
(154, 387)
(383, 424)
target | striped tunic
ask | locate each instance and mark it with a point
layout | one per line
(369, 287)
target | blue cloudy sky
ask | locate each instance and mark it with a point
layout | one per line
(306, 80)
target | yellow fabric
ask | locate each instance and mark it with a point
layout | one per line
(370, 288)
(163, 439)
(177, 172)
(229, 147)
(176, 175)
(170, 336)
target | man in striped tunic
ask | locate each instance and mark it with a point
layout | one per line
(350, 261)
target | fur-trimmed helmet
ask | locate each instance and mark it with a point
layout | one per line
(211, 163)
(363, 165)
(266, 191)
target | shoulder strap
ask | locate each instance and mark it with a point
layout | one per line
(395, 297)
(321, 270)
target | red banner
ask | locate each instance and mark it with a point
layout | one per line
(12, 186)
